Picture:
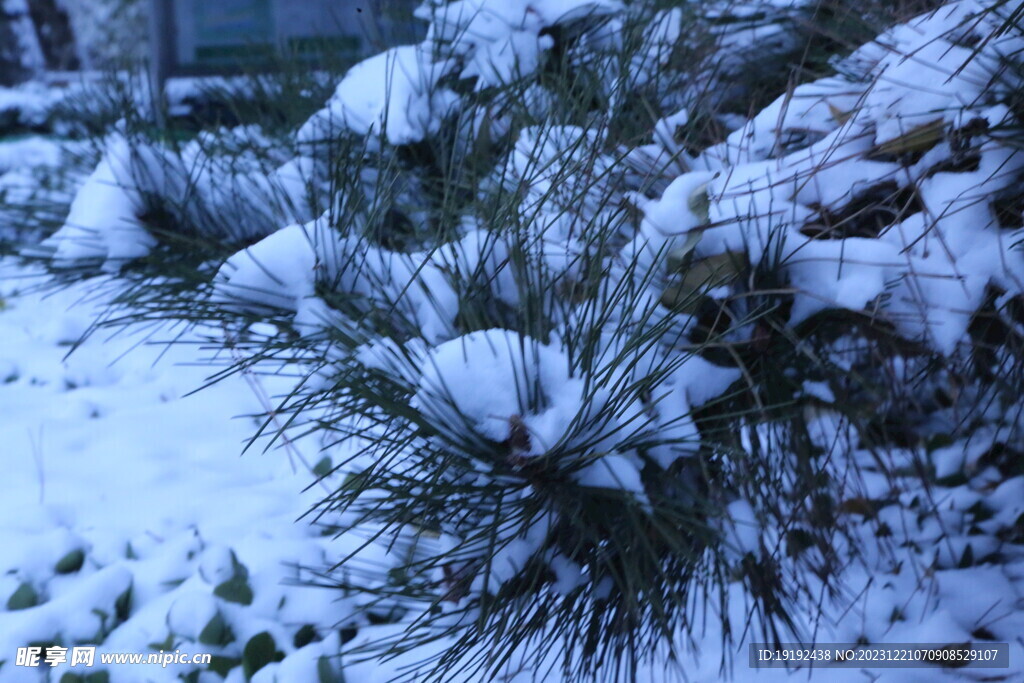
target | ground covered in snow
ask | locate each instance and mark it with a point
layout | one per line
(131, 519)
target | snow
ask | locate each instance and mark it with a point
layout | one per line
(395, 94)
(930, 269)
(103, 221)
(744, 529)
(29, 152)
(29, 103)
(231, 184)
(33, 173)
(103, 453)
(501, 43)
(615, 472)
(115, 460)
(399, 93)
(486, 380)
(275, 272)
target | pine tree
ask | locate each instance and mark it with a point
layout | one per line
(606, 333)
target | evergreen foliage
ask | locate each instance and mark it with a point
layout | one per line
(614, 320)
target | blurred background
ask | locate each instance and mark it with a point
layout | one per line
(39, 36)
(51, 49)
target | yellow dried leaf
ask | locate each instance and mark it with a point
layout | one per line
(919, 139)
(838, 114)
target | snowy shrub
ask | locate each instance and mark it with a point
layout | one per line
(37, 184)
(603, 343)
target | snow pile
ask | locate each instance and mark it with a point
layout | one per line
(65, 104)
(286, 270)
(395, 94)
(502, 43)
(787, 179)
(128, 519)
(506, 388)
(109, 196)
(38, 180)
(399, 93)
(231, 186)
(27, 105)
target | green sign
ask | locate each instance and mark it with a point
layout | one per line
(232, 30)
(203, 37)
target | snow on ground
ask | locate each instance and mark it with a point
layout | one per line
(28, 152)
(103, 454)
